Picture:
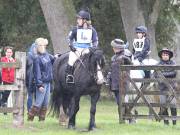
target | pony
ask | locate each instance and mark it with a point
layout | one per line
(88, 78)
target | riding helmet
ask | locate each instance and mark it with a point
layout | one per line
(118, 43)
(166, 50)
(141, 29)
(84, 15)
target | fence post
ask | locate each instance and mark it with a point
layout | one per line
(0, 52)
(18, 113)
(121, 97)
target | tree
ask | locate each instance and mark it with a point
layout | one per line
(151, 25)
(130, 12)
(139, 12)
(21, 22)
(59, 15)
(168, 28)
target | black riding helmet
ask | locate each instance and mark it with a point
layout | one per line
(84, 15)
(166, 50)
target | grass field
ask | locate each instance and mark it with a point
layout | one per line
(106, 120)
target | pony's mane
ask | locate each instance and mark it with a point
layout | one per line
(86, 60)
(89, 61)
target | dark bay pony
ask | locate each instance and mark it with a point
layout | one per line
(88, 80)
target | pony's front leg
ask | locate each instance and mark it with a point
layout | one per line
(73, 111)
(94, 100)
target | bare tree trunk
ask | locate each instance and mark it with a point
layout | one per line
(177, 50)
(132, 16)
(177, 41)
(151, 27)
(58, 15)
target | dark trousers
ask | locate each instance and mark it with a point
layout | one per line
(116, 94)
(31, 94)
(5, 94)
(147, 73)
(173, 113)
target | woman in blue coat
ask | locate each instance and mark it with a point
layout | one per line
(43, 77)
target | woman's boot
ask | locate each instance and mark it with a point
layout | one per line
(42, 113)
(33, 112)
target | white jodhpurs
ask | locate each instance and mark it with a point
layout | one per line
(73, 56)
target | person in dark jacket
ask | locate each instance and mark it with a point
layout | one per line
(119, 58)
(43, 77)
(81, 39)
(165, 59)
(30, 80)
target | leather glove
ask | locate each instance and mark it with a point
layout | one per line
(72, 48)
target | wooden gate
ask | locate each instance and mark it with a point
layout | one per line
(18, 88)
(142, 93)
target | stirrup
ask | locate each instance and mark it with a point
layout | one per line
(70, 79)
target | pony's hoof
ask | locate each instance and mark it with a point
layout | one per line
(92, 128)
(71, 127)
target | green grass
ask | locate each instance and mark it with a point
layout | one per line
(106, 120)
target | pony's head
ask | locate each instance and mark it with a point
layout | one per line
(97, 63)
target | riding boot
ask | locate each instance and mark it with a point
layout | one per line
(69, 74)
(173, 113)
(165, 113)
(42, 113)
(33, 112)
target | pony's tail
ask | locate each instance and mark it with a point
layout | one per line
(60, 102)
(56, 100)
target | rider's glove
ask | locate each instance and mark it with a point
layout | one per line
(73, 49)
(57, 55)
(140, 59)
(108, 79)
(135, 57)
(92, 49)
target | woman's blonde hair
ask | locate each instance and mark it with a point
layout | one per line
(41, 41)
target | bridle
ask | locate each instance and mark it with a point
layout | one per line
(93, 73)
